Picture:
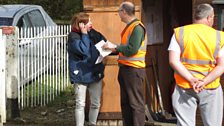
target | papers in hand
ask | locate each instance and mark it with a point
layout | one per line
(110, 45)
(102, 51)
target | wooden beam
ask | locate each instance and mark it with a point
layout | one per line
(105, 9)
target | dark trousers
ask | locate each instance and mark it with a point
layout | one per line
(132, 100)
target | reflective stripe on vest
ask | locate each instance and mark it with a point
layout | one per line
(218, 40)
(197, 72)
(181, 41)
(201, 62)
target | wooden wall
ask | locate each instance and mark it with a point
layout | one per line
(106, 3)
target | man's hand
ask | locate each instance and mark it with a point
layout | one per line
(110, 46)
(198, 84)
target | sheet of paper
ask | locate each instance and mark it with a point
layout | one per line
(99, 59)
(111, 45)
(102, 51)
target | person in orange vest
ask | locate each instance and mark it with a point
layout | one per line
(196, 54)
(132, 51)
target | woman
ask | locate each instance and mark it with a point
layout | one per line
(83, 71)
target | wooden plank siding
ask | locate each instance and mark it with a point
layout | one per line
(107, 3)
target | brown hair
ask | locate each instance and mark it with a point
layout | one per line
(79, 18)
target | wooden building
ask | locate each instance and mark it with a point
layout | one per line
(159, 17)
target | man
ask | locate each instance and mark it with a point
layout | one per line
(196, 55)
(132, 51)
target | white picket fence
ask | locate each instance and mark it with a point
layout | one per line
(33, 65)
(42, 64)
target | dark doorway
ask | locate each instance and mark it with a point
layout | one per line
(160, 17)
(181, 12)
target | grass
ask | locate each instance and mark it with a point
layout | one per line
(43, 91)
(48, 115)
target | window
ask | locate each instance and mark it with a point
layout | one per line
(31, 19)
(5, 21)
(24, 22)
(36, 18)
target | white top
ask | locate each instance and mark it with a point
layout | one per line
(174, 46)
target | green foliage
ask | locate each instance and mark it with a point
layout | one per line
(61, 10)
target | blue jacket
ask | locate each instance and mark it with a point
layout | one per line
(82, 57)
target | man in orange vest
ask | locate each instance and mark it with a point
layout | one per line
(196, 54)
(132, 51)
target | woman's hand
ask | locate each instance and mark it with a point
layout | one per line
(83, 28)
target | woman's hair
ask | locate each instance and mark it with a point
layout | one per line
(79, 18)
(202, 11)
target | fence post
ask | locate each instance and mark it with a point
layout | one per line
(2, 78)
(12, 107)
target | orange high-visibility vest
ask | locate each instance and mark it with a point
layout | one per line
(199, 46)
(137, 60)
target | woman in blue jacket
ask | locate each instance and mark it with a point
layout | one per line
(83, 71)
